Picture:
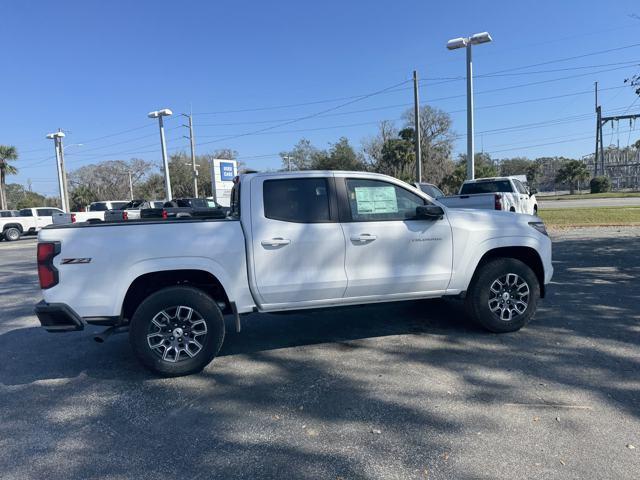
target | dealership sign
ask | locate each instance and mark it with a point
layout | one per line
(222, 175)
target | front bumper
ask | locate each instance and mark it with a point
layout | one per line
(58, 317)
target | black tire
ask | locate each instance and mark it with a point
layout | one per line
(480, 292)
(168, 299)
(11, 234)
(512, 209)
(535, 209)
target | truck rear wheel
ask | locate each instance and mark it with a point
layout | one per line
(11, 234)
(177, 331)
(503, 295)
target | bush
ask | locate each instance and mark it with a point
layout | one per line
(600, 184)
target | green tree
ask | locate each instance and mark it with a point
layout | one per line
(572, 173)
(18, 197)
(514, 166)
(341, 156)
(484, 168)
(398, 157)
(8, 154)
(152, 188)
(522, 166)
(436, 142)
(301, 157)
(110, 180)
(81, 197)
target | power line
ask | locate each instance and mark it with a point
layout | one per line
(589, 137)
(566, 59)
(306, 117)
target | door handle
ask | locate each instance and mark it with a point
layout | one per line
(363, 237)
(275, 242)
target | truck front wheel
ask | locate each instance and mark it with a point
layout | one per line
(177, 331)
(503, 295)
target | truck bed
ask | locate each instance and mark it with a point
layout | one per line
(103, 259)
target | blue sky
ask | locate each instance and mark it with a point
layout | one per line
(96, 68)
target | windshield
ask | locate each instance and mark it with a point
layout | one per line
(431, 190)
(491, 186)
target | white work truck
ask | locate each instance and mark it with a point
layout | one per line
(291, 241)
(28, 221)
(496, 193)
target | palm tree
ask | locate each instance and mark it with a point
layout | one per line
(7, 154)
(572, 173)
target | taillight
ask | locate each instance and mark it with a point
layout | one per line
(73, 218)
(47, 273)
(164, 214)
(497, 202)
(125, 215)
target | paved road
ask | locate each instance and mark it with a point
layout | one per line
(593, 202)
(396, 391)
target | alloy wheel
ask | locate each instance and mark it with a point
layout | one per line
(508, 296)
(177, 333)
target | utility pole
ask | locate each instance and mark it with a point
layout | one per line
(64, 172)
(194, 170)
(159, 114)
(56, 137)
(598, 133)
(416, 124)
(130, 184)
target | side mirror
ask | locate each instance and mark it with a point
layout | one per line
(429, 212)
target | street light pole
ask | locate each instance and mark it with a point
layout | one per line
(165, 162)
(471, 174)
(468, 43)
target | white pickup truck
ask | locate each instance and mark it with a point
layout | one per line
(496, 193)
(28, 221)
(95, 212)
(292, 240)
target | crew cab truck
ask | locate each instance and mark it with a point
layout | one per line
(28, 221)
(496, 193)
(292, 241)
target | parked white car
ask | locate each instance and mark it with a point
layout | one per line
(28, 221)
(293, 240)
(496, 193)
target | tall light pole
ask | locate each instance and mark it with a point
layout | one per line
(288, 159)
(467, 43)
(167, 182)
(57, 141)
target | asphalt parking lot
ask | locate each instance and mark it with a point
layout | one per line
(394, 391)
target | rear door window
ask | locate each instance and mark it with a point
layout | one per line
(299, 200)
(26, 212)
